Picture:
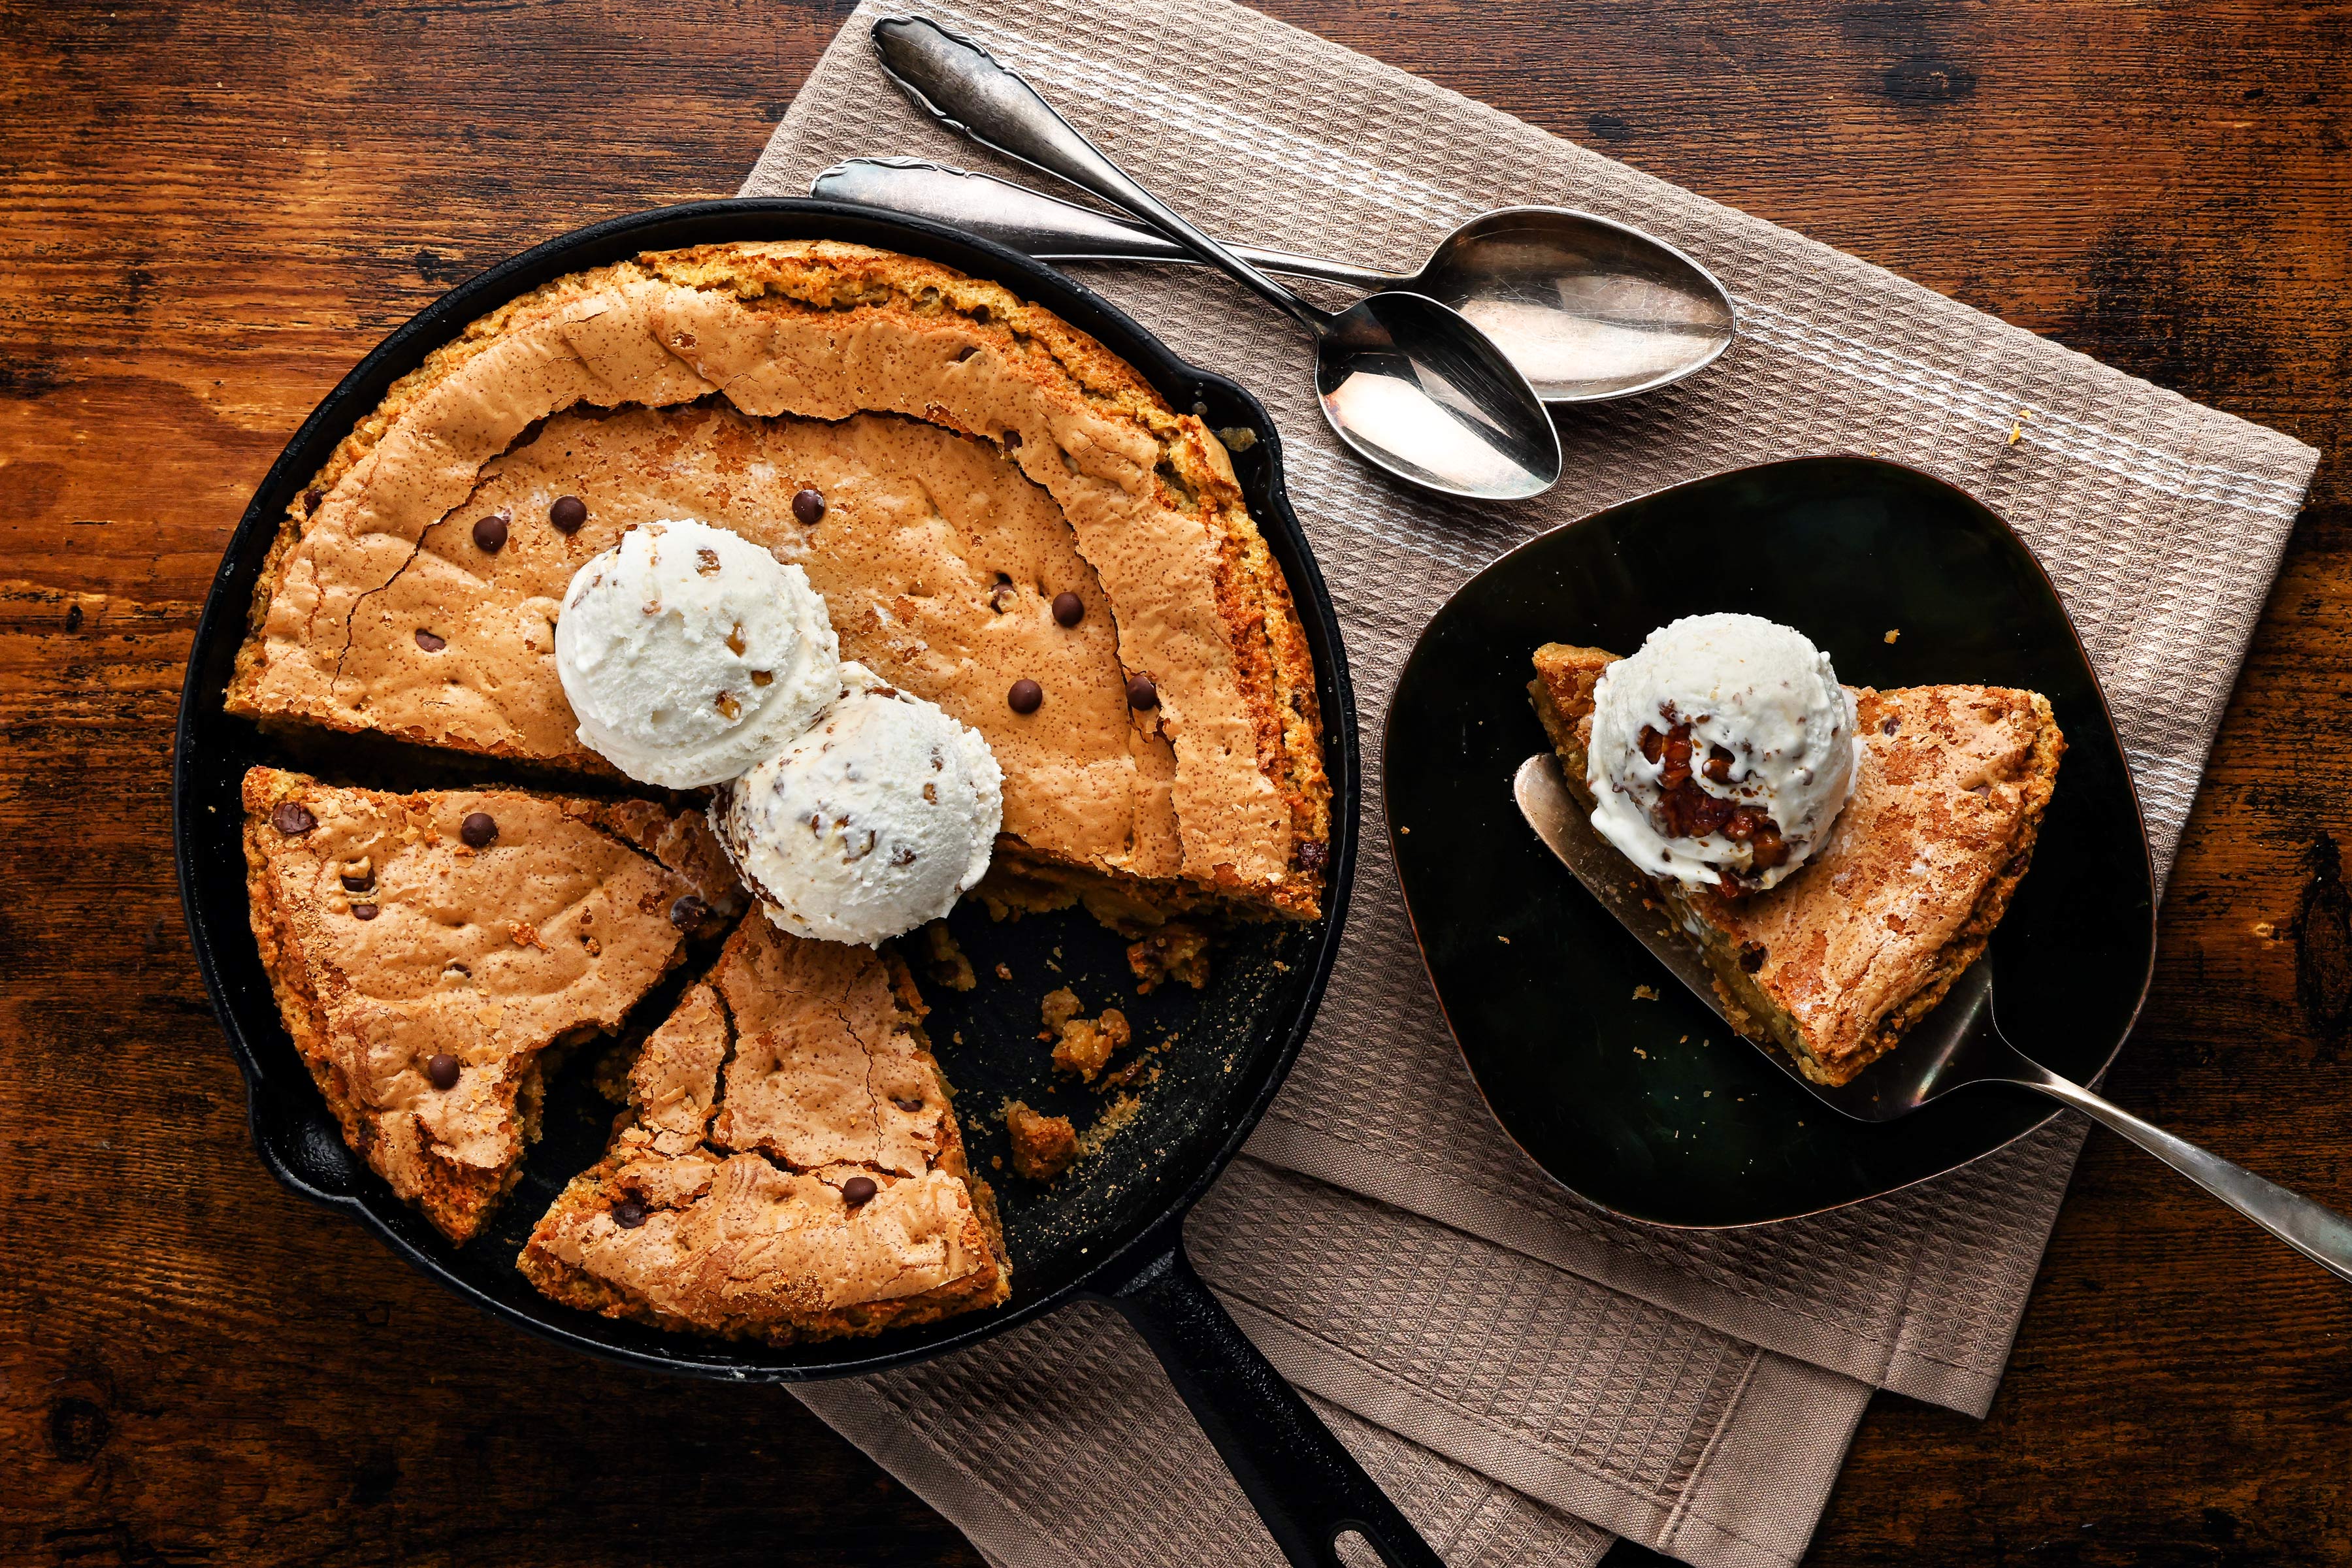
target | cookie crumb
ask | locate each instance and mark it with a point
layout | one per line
(1043, 1146)
(1177, 950)
(1081, 1045)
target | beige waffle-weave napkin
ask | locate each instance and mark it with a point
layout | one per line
(1693, 1391)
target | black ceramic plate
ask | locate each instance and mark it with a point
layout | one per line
(1651, 1109)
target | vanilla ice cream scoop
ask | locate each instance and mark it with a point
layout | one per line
(872, 822)
(689, 653)
(1721, 751)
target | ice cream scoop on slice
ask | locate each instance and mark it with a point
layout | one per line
(431, 951)
(790, 1169)
(1721, 752)
(1834, 962)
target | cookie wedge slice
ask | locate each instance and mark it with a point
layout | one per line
(1836, 963)
(432, 953)
(790, 1168)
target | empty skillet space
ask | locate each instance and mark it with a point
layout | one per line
(1650, 1107)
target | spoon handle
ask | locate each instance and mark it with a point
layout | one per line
(2317, 1232)
(1047, 227)
(960, 85)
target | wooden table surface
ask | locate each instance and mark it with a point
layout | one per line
(211, 212)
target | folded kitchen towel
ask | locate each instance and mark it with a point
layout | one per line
(1513, 1361)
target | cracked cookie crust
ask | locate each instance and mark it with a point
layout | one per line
(790, 1168)
(978, 458)
(432, 952)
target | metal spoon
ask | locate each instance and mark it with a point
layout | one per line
(1956, 1045)
(1408, 384)
(1587, 308)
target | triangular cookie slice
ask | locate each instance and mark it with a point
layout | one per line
(790, 1169)
(429, 950)
(1836, 963)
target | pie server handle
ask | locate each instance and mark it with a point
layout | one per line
(2316, 1231)
(1305, 1485)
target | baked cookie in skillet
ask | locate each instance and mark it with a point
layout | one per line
(983, 495)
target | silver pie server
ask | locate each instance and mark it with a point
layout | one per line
(1587, 309)
(1958, 1044)
(1407, 383)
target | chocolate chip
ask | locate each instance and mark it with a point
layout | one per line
(1000, 597)
(629, 1214)
(1069, 609)
(689, 912)
(478, 830)
(808, 506)
(430, 642)
(491, 533)
(292, 818)
(310, 500)
(355, 884)
(568, 513)
(1025, 696)
(1142, 693)
(1311, 854)
(858, 1190)
(441, 1071)
(910, 1106)
(1888, 728)
(1752, 955)
(364, 912)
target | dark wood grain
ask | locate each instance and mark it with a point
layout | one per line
(212, 211)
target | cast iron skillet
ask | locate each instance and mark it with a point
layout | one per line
(1111, 1230)
(1647, 1107)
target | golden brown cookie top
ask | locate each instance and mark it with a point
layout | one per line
(1951, 781)
(794, 1167)
(440, 942)
(997, 447)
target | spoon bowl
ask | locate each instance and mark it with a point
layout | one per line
(1406, 386)
(1586, 308)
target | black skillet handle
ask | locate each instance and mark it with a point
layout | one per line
(1307, 1486)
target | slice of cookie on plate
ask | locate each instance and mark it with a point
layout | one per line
(1837, 963)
